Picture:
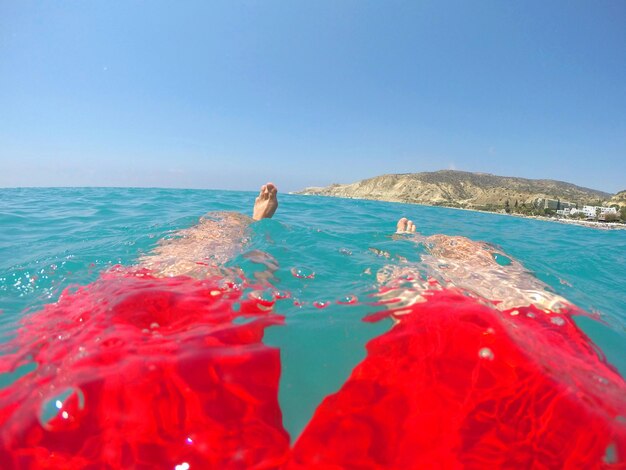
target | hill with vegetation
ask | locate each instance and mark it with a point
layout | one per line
(618, 199)
(463, 189)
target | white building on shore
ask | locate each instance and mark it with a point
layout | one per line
(591, 212)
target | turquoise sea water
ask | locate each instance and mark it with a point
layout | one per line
(54, 238)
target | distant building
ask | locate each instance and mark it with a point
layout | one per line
(607, 210)
(541, 203)
(554, 204)
(591, 212)
(566, 208)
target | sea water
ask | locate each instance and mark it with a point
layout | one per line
(328, 251)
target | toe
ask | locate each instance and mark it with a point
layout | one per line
(402, 224)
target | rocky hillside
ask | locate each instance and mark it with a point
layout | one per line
(462, 189)
(619, 199)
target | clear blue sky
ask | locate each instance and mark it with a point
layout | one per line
(230, 94)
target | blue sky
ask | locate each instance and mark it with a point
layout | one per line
(230, 94)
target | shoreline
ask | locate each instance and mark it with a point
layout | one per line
(587, 223)
(583, 223)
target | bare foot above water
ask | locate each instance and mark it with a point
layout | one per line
(405, 226)
(472, 266)
(203, 250)
(266, 203)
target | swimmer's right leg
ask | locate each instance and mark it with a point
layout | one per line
(472, 266)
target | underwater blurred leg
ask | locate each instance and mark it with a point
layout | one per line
(461, 381)
(202, 250)
(152, 366)
(480, 269)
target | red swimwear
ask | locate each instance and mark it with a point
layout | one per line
(139, 372)
(164, 376)
(457, 384)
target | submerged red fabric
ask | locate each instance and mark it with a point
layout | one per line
(457, 384)
(158, 376)
(138, 372)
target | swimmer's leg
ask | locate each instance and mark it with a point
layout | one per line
(403, 269)
(472, 266)
(266, 203)
(405, 226)
(202, 250)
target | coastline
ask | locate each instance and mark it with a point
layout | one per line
(583, 223)
(588, 223)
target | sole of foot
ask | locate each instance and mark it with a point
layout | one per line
(266, 203)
